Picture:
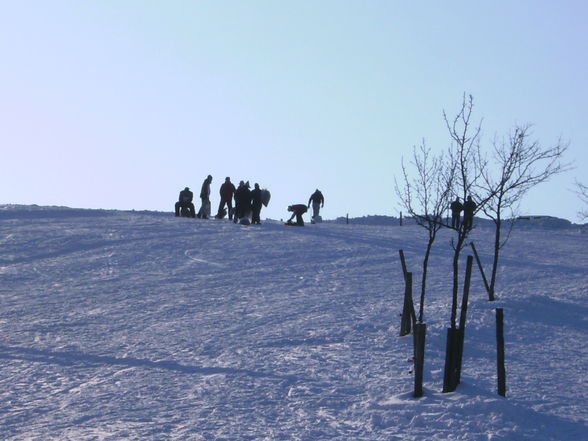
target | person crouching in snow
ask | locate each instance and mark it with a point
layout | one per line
(297, 210)
(185, 202)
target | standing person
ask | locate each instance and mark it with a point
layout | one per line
(236, 196)
(256, 204)
(185, 201)
(469, 207)
(227, 190)
(242, 202)
(297, 210)
(456, 208)
(318, 201)
(204, 212)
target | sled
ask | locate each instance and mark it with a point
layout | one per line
(265, 197)
(221, 215)
(185, 212)
(292, 224)
(204, 212)
(206, 209)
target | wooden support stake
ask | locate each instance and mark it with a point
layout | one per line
(450, 377)
(490, 294)
(463, 315)
(406, 320)
(455, 339)
(420, 332)
(500, 365)
(403, 262)
(466, 292)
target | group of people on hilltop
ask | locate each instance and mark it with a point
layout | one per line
(247, 202)
(468, 208)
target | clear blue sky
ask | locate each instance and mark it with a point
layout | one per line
(121, 104)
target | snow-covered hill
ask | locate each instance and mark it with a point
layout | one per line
(141, 326)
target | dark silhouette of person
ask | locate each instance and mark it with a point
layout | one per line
(456, 208)
(242, 202)
(204, 212)
(256, 205)
(469, 207)
(297, 210)
(185, 201)
(318, 201)
(227, 190)
(236, 196)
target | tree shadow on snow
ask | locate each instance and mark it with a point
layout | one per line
(550, 311)
(75, 246)
(506, 418)
(82, 360)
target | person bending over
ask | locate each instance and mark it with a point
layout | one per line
(185, 201)
(297, 211)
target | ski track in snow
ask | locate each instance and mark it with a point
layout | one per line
(142, 326)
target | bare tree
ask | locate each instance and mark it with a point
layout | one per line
(425, 196)
(519, 164)
(582, 192)
(468, 162)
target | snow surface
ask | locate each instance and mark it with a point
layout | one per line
(141, 326)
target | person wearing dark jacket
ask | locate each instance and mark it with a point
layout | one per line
(185, 201)
(318, 201)
(236, 198)
(204, 211)
(242, 202)
(469, 207)
(297, 210)
(456, 208)
(256, 204)
(227, 190)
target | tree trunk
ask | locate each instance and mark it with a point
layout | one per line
(497, 234)
(460, 241)
(424, 279)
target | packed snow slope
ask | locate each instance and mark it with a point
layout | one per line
(142, 326)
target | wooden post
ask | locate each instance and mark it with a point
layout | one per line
(490, 294)
(449, 377)
(501, 370)
(406, 320)
(401, 218)
(347, 219)
(463, 313)
(466, 292)
(420, 332)
(403, 263)
(455, 338)
(411, 310)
